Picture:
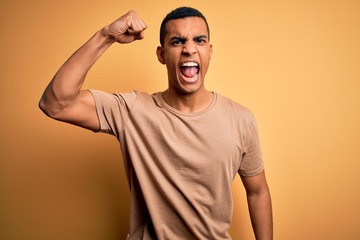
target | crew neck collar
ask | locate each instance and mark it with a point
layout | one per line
(163, 104)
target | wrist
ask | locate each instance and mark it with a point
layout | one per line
(105, 33)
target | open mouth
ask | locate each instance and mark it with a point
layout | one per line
(189, 71)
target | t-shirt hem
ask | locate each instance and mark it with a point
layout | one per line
(252, 173)
(101, 129)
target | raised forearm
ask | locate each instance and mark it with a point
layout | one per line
(70, 77)
(67, 82)
(65, 87)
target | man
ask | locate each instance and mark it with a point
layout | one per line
(181, 147)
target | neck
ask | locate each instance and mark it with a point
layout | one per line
(188, 103)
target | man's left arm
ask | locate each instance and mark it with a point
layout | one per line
(259, 202)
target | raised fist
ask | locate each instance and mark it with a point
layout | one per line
(126, 29)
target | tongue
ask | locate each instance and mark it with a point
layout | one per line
(189, 71)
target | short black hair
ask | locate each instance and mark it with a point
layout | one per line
(178, 13)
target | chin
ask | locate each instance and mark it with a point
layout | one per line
(190, 88)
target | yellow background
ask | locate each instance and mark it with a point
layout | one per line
(295, 64)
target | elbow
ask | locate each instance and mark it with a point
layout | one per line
(54, 101)
(48, 109)
(45, 107)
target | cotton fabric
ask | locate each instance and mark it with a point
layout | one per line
(180, 166)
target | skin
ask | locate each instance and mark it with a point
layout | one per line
(63, 99)
(186, 41)
(260, 207)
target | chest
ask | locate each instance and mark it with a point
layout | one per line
(197, 146)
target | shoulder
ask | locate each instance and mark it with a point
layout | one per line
(127, 98)
(234, 108)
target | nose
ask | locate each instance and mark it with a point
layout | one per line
(189, 48)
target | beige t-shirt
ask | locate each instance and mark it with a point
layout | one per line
(180, 166)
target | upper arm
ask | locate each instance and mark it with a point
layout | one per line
(80, 112)
(259, 202)
(255, 184)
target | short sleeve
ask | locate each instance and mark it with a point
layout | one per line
(252, 160)
(113, 110)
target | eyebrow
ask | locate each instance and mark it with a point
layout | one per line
(200, 37)
(183, 39)
(179, 38)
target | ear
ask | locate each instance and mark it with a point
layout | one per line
(211, 50)
(160, 54)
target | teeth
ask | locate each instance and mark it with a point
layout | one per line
(189, 64)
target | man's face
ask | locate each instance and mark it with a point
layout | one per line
(186, 53)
